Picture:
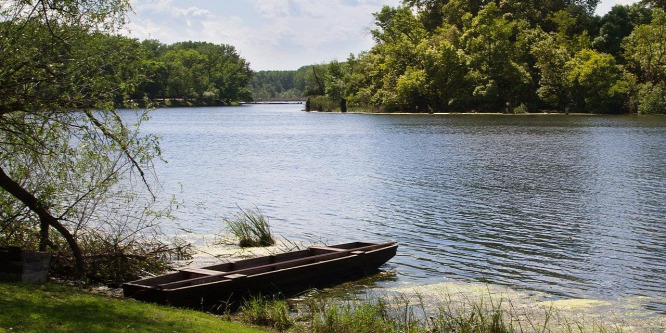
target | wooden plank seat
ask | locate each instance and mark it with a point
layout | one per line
(202, 271)
(327, 248)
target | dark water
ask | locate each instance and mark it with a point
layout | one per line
(574, 206)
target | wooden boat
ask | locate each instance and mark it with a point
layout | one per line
(291, 271)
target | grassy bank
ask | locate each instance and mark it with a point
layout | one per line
(57, 308)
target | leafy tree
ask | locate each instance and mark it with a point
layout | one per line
(395, 25)
(186, 70)
(314, 80)
(444, 70)
(570, 32)
(433, 13)
(551, 59)
(652, 98)
(336, 83)
(645, 49)
(498, 78)
(618, 24)
(68, 160)
(596, 83)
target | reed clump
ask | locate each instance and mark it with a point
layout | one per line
(251, 227)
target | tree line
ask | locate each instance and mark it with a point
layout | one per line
(199, 72)
(288, 85)
(504, 56)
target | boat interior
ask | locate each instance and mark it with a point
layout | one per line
(242, 268)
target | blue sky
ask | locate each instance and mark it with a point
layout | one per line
(270, 34)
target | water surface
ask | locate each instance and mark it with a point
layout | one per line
(572, 206)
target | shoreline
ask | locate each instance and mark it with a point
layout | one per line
(471, 113)
(633, 312)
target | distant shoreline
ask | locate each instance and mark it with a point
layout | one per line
(552, 113)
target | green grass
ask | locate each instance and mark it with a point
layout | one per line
(57, 308)
(251, 228)
(274, 313)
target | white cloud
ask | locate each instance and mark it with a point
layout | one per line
(272, 8)
(270, 34)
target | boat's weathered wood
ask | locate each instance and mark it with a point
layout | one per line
(248, 271)
(336, 252)
(202, 271)
(282, 280)
(319, 249)
(279, 272)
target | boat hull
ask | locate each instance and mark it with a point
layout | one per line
(289, 276)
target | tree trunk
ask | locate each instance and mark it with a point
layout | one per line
(321, 85)
(46, 219)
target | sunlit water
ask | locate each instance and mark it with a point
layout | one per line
(568, 206)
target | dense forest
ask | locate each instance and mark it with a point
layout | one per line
(198, 72)
(186, 73)
(500, 56)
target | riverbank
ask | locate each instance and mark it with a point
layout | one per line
(64, 308)
(59, 308)
(450, 302)
(485, 113)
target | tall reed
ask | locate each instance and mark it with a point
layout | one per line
(251, 227)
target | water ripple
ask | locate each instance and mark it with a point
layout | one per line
(572, 206)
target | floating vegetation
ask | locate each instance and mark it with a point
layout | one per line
(434, 309)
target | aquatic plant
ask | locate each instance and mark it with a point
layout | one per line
(273, 313)
(251, 227)
(403, 313)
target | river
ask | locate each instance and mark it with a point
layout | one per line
(569, 206)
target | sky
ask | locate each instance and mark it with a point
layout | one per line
(269, 34)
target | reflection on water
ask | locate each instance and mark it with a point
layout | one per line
(565, 205)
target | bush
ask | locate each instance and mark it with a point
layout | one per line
(652, 98)
(251, 228)
(323, 104)
(520, 109)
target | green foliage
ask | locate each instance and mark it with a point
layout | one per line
(551, 59)
(596, 83)
(278, 85)
(498, 79)
(198, 71)
(322, 104)
(251, 227)
(441, 55)
(618, 24)
(645, 49)
(402, 313)
(652, 99)
(70, 161)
